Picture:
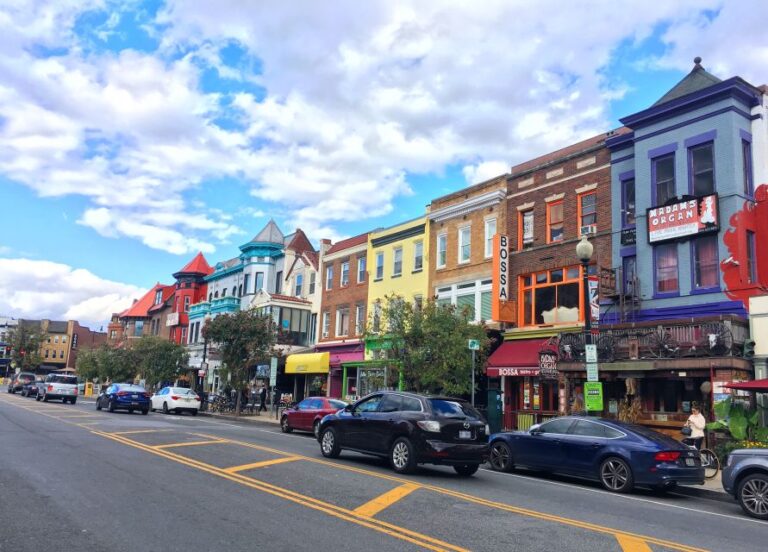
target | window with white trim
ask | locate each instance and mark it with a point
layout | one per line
(465, 242)
(360, 270)
(490, 231)
(379, 265)
(442, 250)
(418, 255)
(397, 261)
(345, 274)
(329, 277)
(326, 323)
(359, 319)
(342, 322)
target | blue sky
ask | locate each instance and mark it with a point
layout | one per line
(134, 134)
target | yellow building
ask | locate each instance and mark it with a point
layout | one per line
(398, 263)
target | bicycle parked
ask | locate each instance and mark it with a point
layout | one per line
(709, 460)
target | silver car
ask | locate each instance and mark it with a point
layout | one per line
(58, 386)
(745, 476)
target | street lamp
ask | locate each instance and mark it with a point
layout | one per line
(584, 250)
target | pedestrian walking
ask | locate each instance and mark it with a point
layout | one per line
(262, 398)
(276, 401)
(697, 423)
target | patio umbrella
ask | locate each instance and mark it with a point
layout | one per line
(758, 386)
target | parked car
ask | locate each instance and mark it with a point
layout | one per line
(176, 399)
(31, 389)
(409, 429)
(58, 386)
(18, 380)
(745, 476)
(307, 414)
(617, 454)
(123, 396)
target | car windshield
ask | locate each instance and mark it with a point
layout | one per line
(337, 404)
(446, 408)
(181, 391)
(72, 380)
(24, 378)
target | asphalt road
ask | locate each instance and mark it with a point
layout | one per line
(73, 478)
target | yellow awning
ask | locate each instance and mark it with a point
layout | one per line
(308, 363)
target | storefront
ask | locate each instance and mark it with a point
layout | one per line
(310, 374)
(530, 390)
(339, 354)
(367, 376)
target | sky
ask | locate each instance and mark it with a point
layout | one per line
(135, 134)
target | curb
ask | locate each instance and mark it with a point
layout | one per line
(699, 492)
(246, 419)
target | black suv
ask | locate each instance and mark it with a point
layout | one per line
(19, 380)
(409, 429)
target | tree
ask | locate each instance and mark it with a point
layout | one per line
(25, 341)
(159, 360)
(430, 344)
(108, 363)
(243, 338)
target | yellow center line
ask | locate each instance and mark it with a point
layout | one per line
(187, 444)
(134, 431)
(265, 463)
(402, 533)
(631, 544)
(491, 504)
(385, 500)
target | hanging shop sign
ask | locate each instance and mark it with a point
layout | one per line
(683, 219)
(548, 364)
(502, 308)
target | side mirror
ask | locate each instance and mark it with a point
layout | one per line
(535, 429)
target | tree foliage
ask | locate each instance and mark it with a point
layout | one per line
(243, 338)
(25, 342)
(159, 360)
(107, 363)
(430, 344)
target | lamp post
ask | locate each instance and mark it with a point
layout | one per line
(584, 251)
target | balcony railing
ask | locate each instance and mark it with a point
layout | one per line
(708, 337)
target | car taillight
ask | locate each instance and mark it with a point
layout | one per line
(175, 397)
(50, 388)
(122, 393)
(667, 456)
(145, 395)
(75, 391)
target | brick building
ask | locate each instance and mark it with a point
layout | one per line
(551, 202)
(343, 308)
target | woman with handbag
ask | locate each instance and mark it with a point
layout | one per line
(694, 427)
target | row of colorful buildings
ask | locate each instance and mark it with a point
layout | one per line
(677, 222)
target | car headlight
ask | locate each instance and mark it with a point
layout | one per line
(429, 425)
(487, 429)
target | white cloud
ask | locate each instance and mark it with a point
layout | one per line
(44, 289)
(355, 98)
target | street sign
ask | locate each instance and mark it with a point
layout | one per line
(473, 345)
(591, 351)
(593, 396)
(273, 371)
(592, 371)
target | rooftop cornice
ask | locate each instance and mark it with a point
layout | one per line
(468, 205)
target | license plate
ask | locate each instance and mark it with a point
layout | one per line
(135, 403)
(465, 434)
(134, 396)
(690, 462)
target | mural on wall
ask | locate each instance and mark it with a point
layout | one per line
(753, 216)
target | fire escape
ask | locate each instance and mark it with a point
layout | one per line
(624, 293)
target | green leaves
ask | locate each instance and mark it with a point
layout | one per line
(159, 359)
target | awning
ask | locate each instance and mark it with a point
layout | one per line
(308, 363)
(516, 358)
(759, 386)
(346, 356)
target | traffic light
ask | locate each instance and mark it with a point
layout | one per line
(749, 348)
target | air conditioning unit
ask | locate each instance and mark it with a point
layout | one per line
(589, 229)
(325, 334)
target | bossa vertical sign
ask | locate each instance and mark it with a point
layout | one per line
(501, 309)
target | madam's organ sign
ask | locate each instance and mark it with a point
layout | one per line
(683, 219)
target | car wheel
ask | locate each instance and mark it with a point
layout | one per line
(616, 476)
(316, 429)
(98, 404)
(465, 470)
(501, 457)
(753, 495)
(23, 394)
(402, 456)
(45, 398)
(145, 411)
(165, 408)
(38, 397)
(111, 405)
(193, 412)
(284, 425)
(329, 445)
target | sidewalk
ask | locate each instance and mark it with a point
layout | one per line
(264, 418)
(712, 489)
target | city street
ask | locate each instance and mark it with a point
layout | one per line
(73, 478)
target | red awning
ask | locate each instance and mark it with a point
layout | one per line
(759, 386)
(516, 358)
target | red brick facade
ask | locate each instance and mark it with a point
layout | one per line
(351, 296)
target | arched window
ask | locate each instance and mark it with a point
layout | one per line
(216, 295)
(210, 297)
(240, 291)
(234, 291)
(224, 292)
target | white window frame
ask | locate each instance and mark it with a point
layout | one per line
(326, 323)
(444, 239)
(361, 270)
(489, 236)
(395, 251)
(359, 319)
(298, 284)
(379, 256)
(329, 277)
(418, 245)
(344, 276)
(312, 283)
(468, 228)
(339, 322)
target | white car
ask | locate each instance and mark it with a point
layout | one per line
(175, 399)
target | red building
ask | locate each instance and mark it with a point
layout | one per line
(191, 288)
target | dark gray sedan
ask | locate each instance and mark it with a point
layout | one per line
(746, 478)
